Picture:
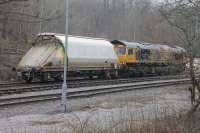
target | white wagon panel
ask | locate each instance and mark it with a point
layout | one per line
(89, 52)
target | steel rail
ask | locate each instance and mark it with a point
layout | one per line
(10, 84)
(52, 86)
(87, 92)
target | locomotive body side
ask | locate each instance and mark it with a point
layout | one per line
(149, 58)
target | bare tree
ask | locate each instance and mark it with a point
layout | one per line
(132, 20)
(21, 19)
(9, 1)
(182, 15)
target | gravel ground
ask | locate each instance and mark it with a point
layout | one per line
(142, 104)
(6, 66)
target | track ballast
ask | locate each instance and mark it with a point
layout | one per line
(52, 91)
(8, 89)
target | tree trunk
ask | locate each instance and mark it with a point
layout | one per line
(4, 26)
(192, 74)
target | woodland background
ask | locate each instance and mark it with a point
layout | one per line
(131, 20)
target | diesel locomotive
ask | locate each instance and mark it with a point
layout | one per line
(97, 57)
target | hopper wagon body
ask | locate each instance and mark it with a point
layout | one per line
(86, 56)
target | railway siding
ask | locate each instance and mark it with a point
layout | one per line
(21, 87)
(85, 91)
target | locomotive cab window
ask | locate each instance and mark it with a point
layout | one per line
(130, 51)
(121, 51)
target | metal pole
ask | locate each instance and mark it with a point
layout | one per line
(64, 87)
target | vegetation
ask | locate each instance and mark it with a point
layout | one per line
(184, 16)
(167, 124)
(132, 20)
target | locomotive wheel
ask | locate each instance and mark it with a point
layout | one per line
(141, 74)
(29, 79)
(114, 75)
(90, 77)
(42, 79)
(57, 78)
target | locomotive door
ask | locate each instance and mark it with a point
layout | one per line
(131, 55)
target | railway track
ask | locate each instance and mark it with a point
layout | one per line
(16, 84)
(37, 86)
(85, 91)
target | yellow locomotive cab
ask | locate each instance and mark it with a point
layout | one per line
(121, 53)
(125, 55)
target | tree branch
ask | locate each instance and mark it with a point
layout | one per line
(9, 1)
(166, 17)
(19, 13)
(32, 21)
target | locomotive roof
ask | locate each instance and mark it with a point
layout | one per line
(139, 45)
(148, 46)
(128, 44)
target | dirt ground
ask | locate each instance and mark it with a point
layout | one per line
(101, 113)
(10, 55)
(7, 63)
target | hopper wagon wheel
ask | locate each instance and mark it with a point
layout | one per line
(28, 77)
(43, 77)
(100, 76)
